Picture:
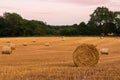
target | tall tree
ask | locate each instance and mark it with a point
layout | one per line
(102, 16)
(117, 22)
(82, 28)
(12, 20)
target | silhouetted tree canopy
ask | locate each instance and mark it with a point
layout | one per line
(102, 20)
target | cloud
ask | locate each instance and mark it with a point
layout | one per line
(86, 2)
(115, 1)
(7, 7)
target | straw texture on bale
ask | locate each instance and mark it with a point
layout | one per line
(6, 50)
(85, 55)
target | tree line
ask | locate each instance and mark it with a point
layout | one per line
(102, 22)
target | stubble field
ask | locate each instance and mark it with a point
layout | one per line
(55, 62)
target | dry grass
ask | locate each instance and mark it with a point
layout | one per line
(38, 62)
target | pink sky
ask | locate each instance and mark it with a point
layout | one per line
(57, 12)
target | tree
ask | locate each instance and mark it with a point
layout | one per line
(12, 20)
(93, 29)
(2, 26)
(82, 28)
(117, 22)
(102, 20)
(102, 17)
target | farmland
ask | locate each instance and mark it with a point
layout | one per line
(55, 62)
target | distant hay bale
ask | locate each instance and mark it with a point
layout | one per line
(6, 50)
(85, 55)
(63, 38)
(8, 41)
(24, 44)
(104, 51)
(12, 46)
(101, 37)
(110, 34)
(33, 41)
(47, 44)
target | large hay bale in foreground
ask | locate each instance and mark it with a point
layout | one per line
(86, 55)
(6, 50)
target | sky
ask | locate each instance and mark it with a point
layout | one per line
(56, 12)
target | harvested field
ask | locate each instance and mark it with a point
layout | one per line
(55, 62)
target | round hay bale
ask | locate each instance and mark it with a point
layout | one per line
(110, 34)
(104, 51)
(101, 37)
(33, 41)
(12, 46)
(6, 50)
(47, 44)
(8, 41)
(63, 38)
(24, 44)
(85, 55)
